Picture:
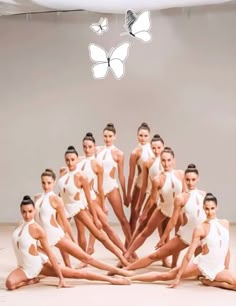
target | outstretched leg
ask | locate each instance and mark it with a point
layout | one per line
(224, 279)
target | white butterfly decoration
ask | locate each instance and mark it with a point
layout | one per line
(100, 27)
(138, 26)
(114, 60)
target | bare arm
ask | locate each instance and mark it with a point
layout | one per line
(178, 204)
(100, 184)
(132, 165)
(144, 187)
(58, 204)
(41, 236)
(121, 176)
(197, 235)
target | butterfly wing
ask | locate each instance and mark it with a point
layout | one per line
(141, 26)
(96, 28)
(117, 58)
(104, 24)
(99, 56)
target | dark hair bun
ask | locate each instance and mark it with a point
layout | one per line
(156, 136)
(110, 125)
(48, 170)
(191, 166)
(89, 134)
(144, 124)
(209, 194)
(168, 149)
(71, 148)
(26, 198)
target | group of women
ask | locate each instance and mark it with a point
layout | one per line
(160, 196)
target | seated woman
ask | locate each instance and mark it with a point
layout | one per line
(212, 265)
(32, 263)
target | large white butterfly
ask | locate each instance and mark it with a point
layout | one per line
(138, 26)
(114, 60)
(100, 27)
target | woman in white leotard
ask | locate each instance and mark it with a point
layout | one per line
(112, 159)
(71, 183)
(137, 158)
(190, 203)
(165, 187)
(94, 172)
(212, 265)
(32, 263)
(151, 168)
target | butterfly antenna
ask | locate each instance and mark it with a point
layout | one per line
(130, 19)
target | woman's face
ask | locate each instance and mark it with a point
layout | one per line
(27, 212)
(109, 138)
(191, 180)
(47, 183)
(71, 160)
(157, 147)
(143, 136)
(167, 161)
(89, 148)
(210, 208)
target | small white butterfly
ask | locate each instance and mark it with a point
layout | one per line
(100, 27)
(138, 26)
(114, 60)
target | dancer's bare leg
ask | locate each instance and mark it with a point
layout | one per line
(133, 213)
(115, 200)
(224, 279)
(172, 246)
(82, 274)
(156, 218)
(74, 250)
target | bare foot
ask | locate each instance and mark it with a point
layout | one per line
(81, 265)
(34, 280)
(120, 281)
(166, 263)
(90, 250)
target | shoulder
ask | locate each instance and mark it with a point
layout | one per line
(180, 173)
(224, 222)
(63, 171)
(202, 193)
(181, 199)
(37, 196)
(36, 231)
(98, 149)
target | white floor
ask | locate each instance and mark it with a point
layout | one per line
(82, 292)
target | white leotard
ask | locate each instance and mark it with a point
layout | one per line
(106, 159)
(217, 242)
(85, 165)
(71, 195)
(171, 188)
(46, 217)
(194, 213)
(153, 171)
(145, 155)
(23, 242)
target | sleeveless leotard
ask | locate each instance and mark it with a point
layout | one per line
(46, 217)
(85, 165)
(171, 188)
(23, 243)
(71, 195)
(106, 159)
(194, 213)
(153, 171)
(217, 242)
(145, 155)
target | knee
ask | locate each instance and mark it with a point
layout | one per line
(10, 284)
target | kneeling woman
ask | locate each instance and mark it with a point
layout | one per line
(32, 263)
(212, 265)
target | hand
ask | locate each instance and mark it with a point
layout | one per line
(62, 284)
(105, 209)
(175, 283)
(98, 223)
(160, 243)
(128, 200)
(142, 217)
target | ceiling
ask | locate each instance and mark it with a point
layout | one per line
(11, 7)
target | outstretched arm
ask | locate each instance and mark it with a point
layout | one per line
(197, 235)
(178, 204)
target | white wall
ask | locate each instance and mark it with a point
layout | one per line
(183, 84)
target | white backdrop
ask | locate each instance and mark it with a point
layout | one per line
(183, 84)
